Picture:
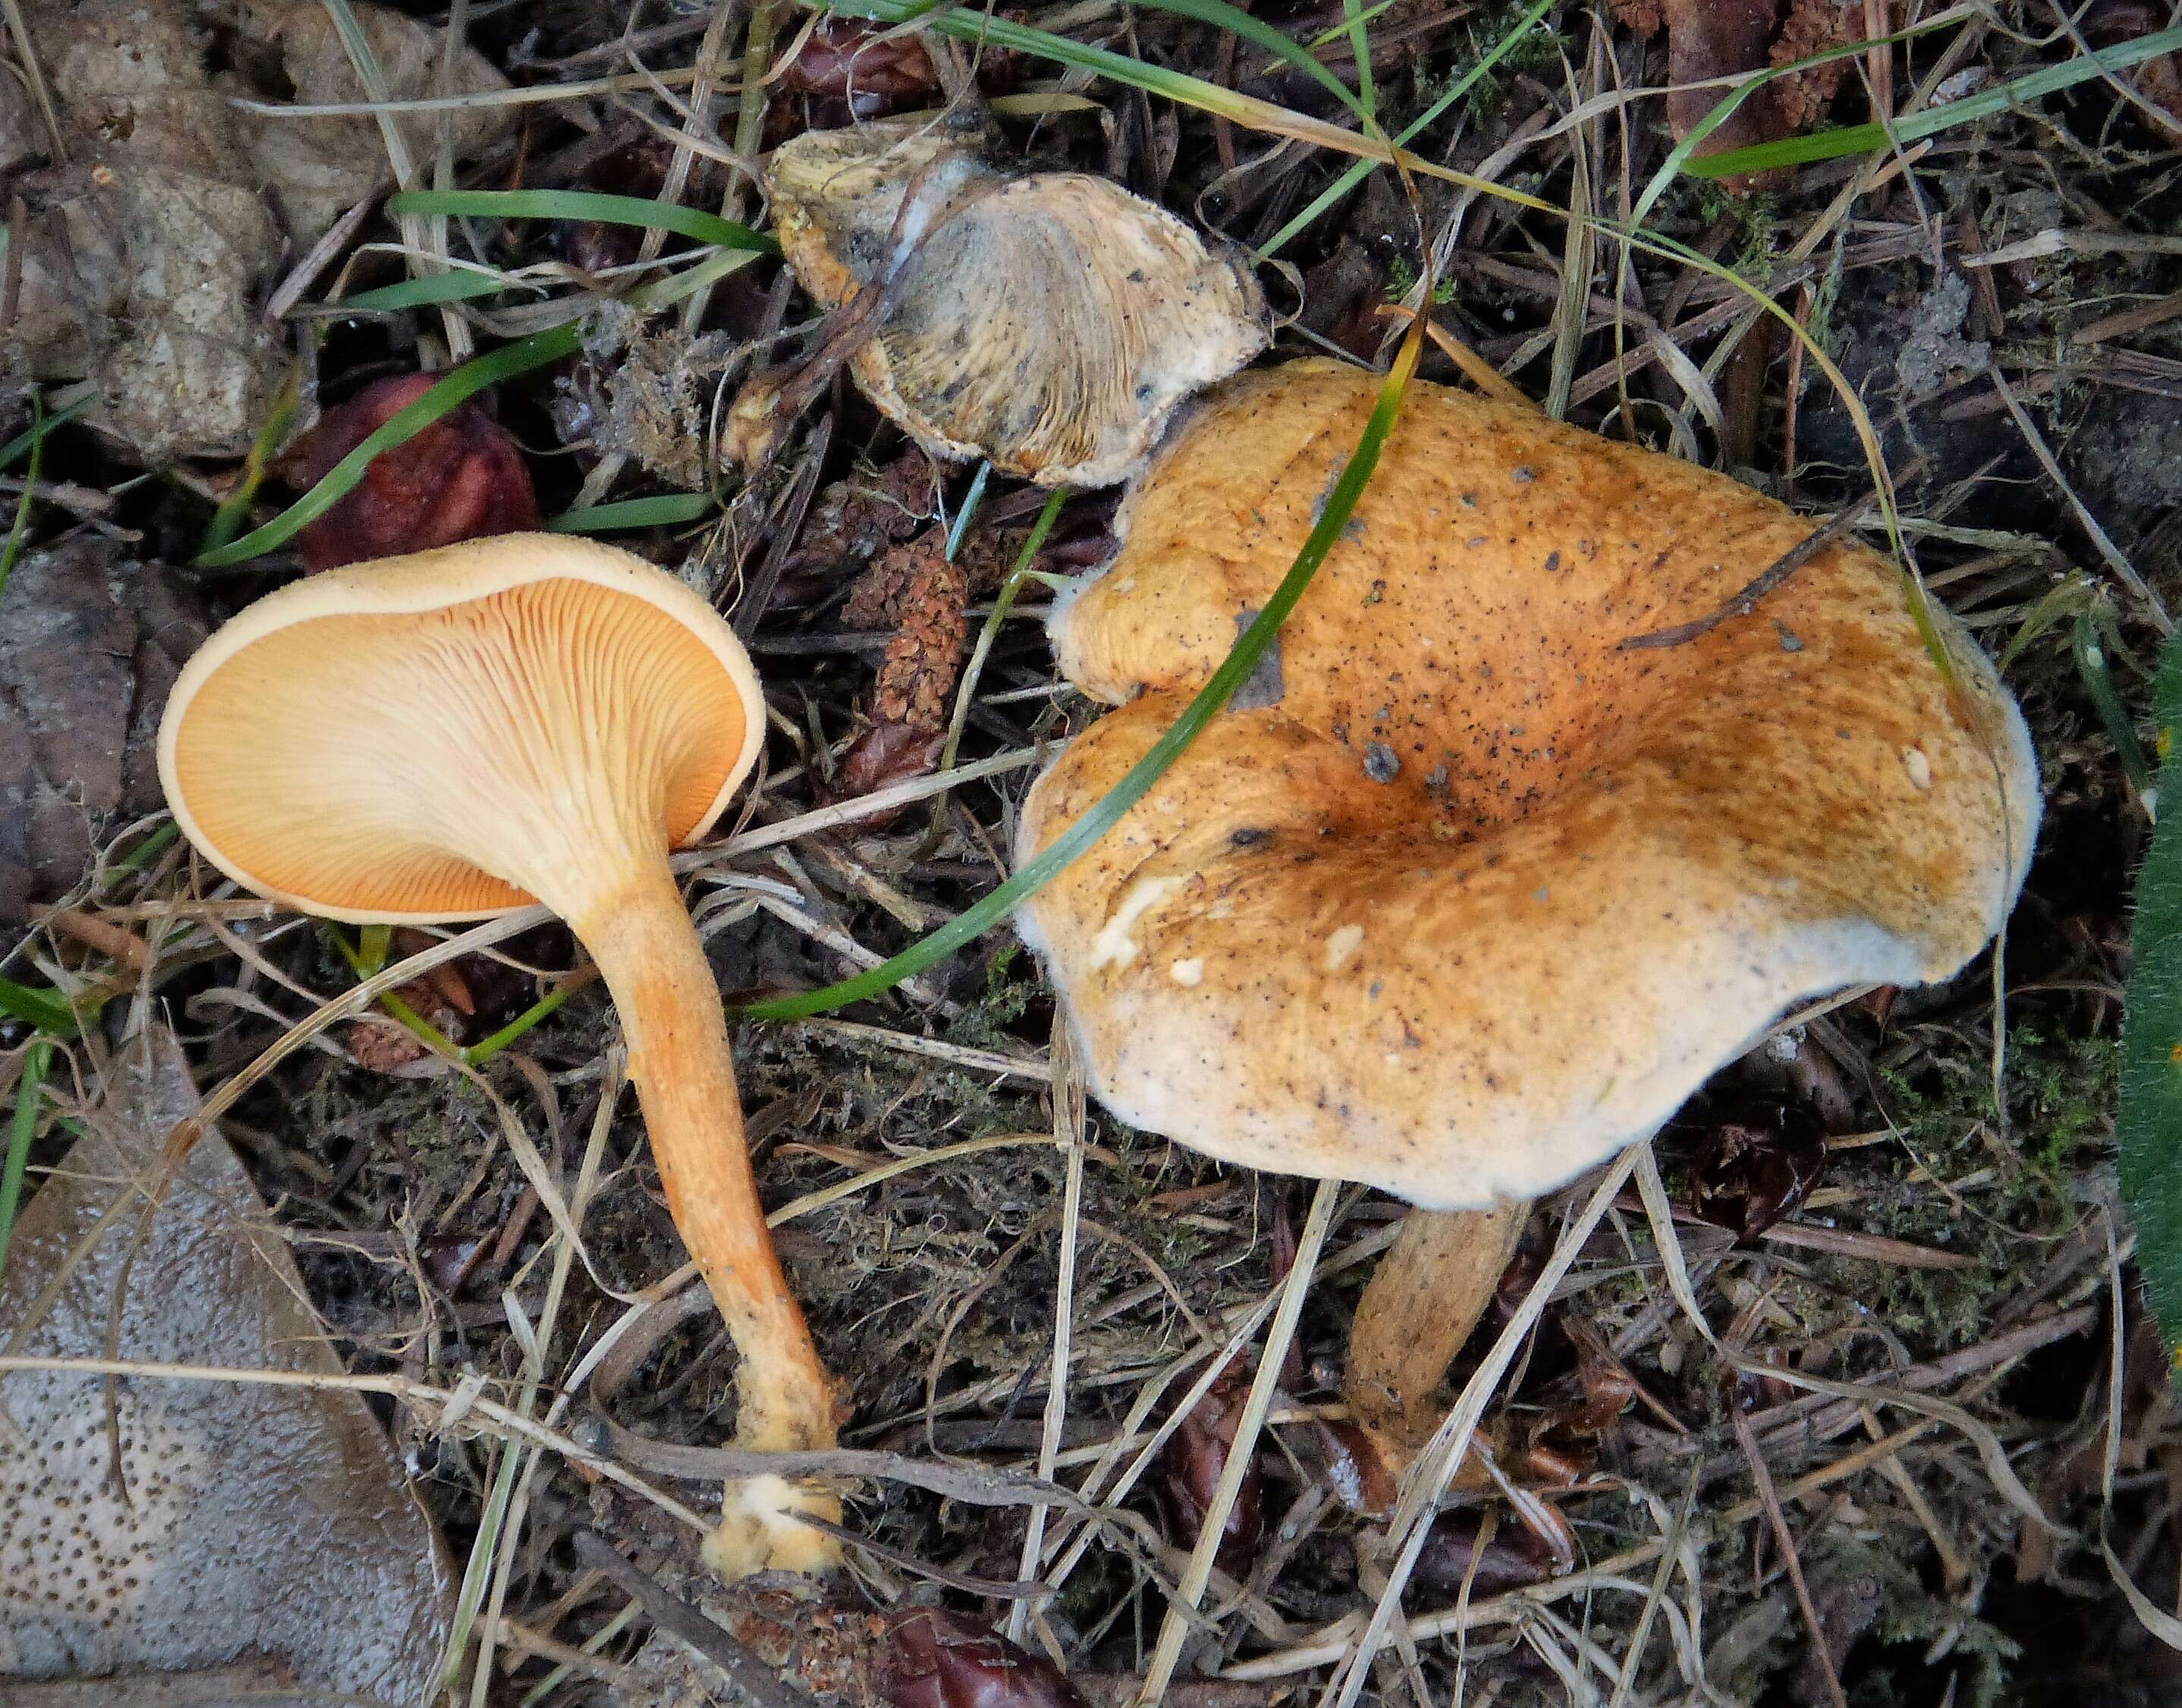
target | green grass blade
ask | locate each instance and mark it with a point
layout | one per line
(41, 1006)
(32, 436)
(2148, 1128)
(20, 531)
(1021, 38)
(1232, 672)
(1356, 174)
(30, 1088)
(2097, 676)
(485, 1049)
(666, 510)
(968, 512)
(587, 205)
(235, 509)
(453, 390)
(459, 387)
(1915, 127)
(1260, 34)
(422, 293)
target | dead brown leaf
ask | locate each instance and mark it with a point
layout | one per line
(140, 258)
(89, 643)
(317, 169)
(245, 1518)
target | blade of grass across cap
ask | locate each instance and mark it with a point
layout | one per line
(1235, 670)
(452, 390)
(30, 1089)
(666, 509)
(1915, 127)
(589, 205)
(421, 293)
(1354, 175)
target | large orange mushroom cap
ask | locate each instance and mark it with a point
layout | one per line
(1469, 897)
(459, 732)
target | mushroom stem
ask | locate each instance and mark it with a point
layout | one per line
(1422, 1302)
(649, 953)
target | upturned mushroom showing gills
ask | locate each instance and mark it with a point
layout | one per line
(1049, 321)
(457, 733)
(1466, 895)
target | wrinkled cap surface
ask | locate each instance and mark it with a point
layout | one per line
(458, 733)
(1048, 321)
(1479, 897)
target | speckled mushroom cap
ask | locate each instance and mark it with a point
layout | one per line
(1479, 897)
(1049, 321)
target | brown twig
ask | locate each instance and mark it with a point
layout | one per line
(677, 1617)
(1771, 1499)
(1741, 604)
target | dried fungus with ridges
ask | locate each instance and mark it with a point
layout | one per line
(1048, 321)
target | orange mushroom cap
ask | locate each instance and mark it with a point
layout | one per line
(1480, 896)
(460, 732)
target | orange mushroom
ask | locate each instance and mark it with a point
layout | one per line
(461, 733)
(1469, 895)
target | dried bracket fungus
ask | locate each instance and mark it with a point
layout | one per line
(1049, 321)
(457, 733)
(1481, 897)
(245, 1518)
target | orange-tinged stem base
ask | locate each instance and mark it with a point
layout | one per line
(649, 953)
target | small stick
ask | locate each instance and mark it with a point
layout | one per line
(1745, 601)
(1746, 1437)
(677, 1617)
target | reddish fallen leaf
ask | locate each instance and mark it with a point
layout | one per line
(462, 478)
(867, 67)
(1191, 1463)
(1752, 1171)
(1564, 1440)
(886, 753)
(936, 1658)
(1511, 1558)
